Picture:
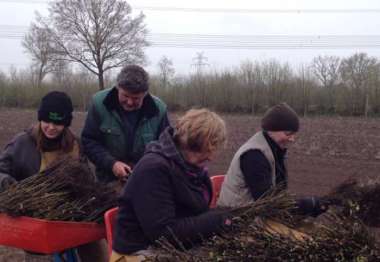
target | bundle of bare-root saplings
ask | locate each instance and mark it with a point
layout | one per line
(358, 198)
(271, 230)
(67, 192)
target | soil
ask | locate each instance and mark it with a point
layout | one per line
(327, 151)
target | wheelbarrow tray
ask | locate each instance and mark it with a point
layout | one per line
(44, 236)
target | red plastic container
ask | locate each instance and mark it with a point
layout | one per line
(110, 221)
(216, 182)
(45, 236)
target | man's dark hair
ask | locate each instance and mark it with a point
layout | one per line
(133, 78)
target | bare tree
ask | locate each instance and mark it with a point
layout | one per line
(166, 70)
(37, 42)
(62, 73)
(251, 76)
(276, 78)
(356, 72)
(326, 69)
(3, 85)
(98, 34)
(304, 85)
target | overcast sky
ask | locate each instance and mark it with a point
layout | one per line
(351, 18)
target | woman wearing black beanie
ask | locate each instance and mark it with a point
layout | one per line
(260, 164)
(36, 148)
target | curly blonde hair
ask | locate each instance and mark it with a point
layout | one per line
(200, 130)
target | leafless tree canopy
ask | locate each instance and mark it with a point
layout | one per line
(99, 34)
(356, 70)
(326, 69)
(37, 42)
(166, 70)
(252, 87)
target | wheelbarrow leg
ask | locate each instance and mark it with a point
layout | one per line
(68, 255)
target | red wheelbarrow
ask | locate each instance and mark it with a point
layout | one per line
(47, 237)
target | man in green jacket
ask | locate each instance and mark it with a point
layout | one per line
(120, 122)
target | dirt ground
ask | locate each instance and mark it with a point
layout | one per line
(328, 150)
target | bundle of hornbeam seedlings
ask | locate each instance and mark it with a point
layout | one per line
(359, 199)
(271, 229)
(67, 191)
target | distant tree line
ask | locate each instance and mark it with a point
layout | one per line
(328, 85)
(102, 35)
(22, 88)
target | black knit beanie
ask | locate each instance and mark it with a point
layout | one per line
(280, 117)
(56, 107)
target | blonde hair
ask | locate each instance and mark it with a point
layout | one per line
(200, 130)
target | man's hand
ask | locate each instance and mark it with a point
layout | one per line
(312, 206)
(121, 170)
(322, 206)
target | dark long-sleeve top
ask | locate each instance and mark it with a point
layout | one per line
(257, 170)
(162, 199)
(257, 174)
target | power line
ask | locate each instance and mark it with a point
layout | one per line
(248, 41)
(13, 64)
(26, 2)
(13, 27)
(209, 44)
(209, 41)
(245, 10)
(19, 30)
(265, 41)
(227, 10)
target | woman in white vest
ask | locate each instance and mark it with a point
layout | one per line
(259, 164)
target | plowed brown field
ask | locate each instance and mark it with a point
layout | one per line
(327, 151)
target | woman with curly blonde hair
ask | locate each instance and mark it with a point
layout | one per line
(169, 191)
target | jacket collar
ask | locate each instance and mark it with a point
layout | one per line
(148, 109)
(166, 147)
(276, 149)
